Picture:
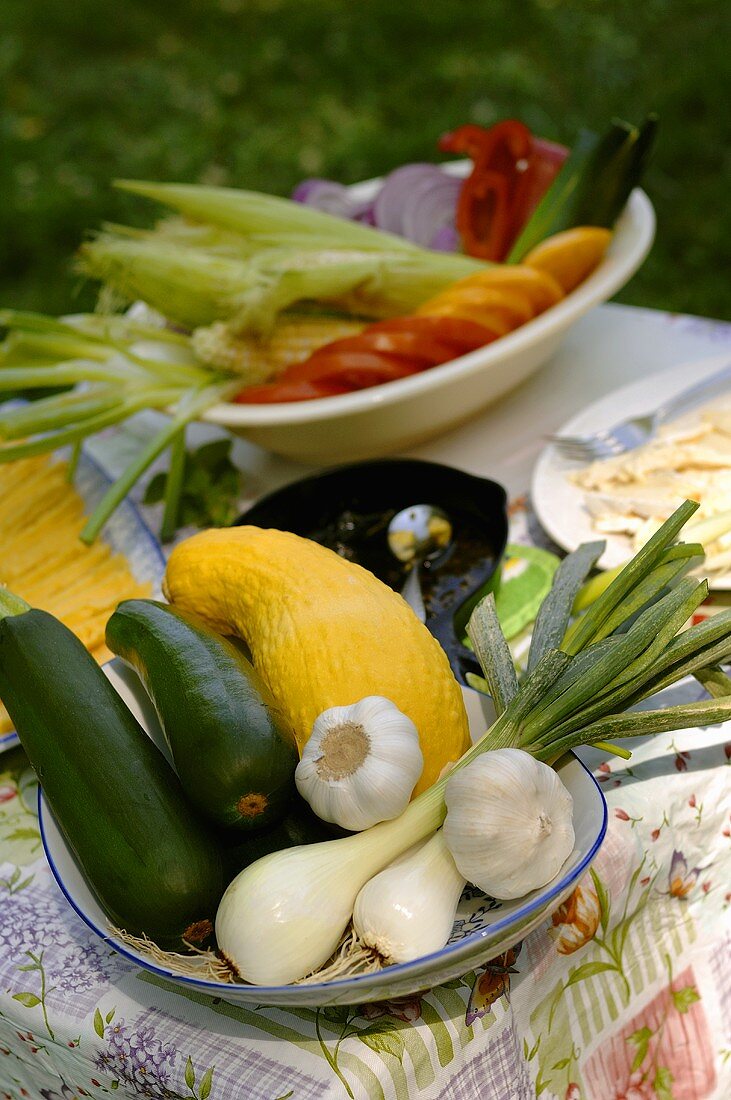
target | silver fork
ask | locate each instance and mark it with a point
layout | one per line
(636, 430)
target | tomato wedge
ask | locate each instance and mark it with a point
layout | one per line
(383, 352)
(275, 392)
(464, 336)
(353, 369)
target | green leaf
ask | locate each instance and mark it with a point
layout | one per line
(525, 1049)
(684, 998)
(114, 1085)
(541, 1086)
(204, 1090)
(662, 1083)
(335, 1014)
(28, 999)
(189, 1073)
(605, 904)
(640, 1039)
(29, 966)
(110, 1016)
(555, 611)
(588, 970)
(98, 1023)
(155, 490)
(534, 1049)
(562, 1064)
(493, 653)
(22, 885)
(24, 834)
(633, 573)
(384, 1042)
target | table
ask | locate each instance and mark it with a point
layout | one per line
(625, 994)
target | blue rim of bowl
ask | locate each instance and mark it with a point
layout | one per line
(451, 950)
(10, 739)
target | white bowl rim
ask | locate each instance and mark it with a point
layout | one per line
(452, 950)
(607, 278)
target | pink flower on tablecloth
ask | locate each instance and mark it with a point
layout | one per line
(622, 815)
(8, 791)
(692, 802)
(681, 880)
(577, 918)
(727, 750)
(681, 761)
(654, 834)
(407, 1009)
(573, 1092)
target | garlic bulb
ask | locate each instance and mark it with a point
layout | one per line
(408, 910)
(360, 764)
(509, 822)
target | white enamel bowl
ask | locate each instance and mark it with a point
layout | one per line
(483, 929)
(397, 415)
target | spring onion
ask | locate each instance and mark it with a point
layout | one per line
(283, 916)
(117, 367)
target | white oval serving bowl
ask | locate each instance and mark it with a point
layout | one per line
(398, 415)
(483, 929)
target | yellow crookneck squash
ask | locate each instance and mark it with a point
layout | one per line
(322, 632)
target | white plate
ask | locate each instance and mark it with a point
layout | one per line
(559, 504)
(126, 533)
(398, 415)
(483, 929)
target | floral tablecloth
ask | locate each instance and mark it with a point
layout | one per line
(624, 994)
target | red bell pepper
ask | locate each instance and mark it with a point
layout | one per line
(512, 171)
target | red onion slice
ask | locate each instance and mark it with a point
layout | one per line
(331, 198)
(391, 200)
(431, 205)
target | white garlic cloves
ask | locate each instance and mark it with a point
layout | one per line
(360, 764)
(509, 823)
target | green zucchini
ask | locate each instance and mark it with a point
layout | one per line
(154, 867)
(300, 825)
(231, 746)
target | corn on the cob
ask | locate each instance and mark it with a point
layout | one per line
(292, 339)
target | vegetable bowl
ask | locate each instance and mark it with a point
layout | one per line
(408, 411)
(482, 930)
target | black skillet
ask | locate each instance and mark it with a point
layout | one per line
(349, 509)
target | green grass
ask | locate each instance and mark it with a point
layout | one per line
(260, 93)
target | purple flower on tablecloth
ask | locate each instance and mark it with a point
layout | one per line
(139, 1059)
(38, 920)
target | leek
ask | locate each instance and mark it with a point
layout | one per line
(593, 185)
